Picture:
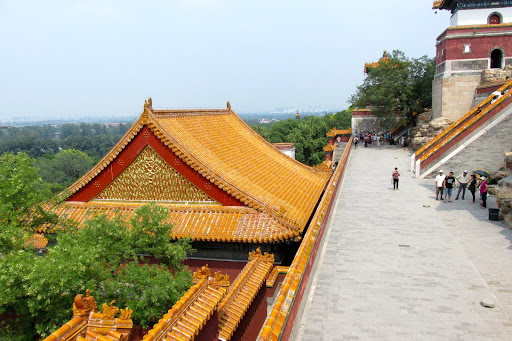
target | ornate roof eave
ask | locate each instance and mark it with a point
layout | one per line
(438, 4)
(258, 227)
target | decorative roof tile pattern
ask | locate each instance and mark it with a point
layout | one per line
(150, 178)
(242, 292)
(197, 222)
(188, 316)
(276, 319)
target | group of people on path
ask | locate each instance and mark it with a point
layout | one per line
(371, 138)
(446, 183)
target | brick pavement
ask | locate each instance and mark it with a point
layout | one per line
(391, 269)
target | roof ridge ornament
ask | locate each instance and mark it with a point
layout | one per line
(228, 105)
(148, 107)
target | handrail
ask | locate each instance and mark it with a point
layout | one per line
(465, 126)
(276, 320)
(467, 116)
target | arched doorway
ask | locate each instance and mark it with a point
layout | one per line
(494, 19)
(496, 59)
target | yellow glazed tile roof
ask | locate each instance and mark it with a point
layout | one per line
(249, 167)
(38, 241)
(242, 292)
(276, 319)
(272, 278)
(198, 222)
(88, 324)
(438, 4)
(334, 132)
(217, 144)
(188, 316)
(329, 148)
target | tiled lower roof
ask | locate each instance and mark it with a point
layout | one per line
(38, 241)
(197, 222)
(88, 324)
(242, 292)
(188, 316)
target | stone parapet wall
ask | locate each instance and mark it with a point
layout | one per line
(453, 96)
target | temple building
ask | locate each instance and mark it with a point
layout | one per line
(228, 190)
(470, 54)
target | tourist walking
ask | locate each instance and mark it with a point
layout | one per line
(395, 176)
(463, 180)
(356, 141)
(439, 184)
(472, 186)
(449, 182)
(483, 192)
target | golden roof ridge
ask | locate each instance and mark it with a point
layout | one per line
(242, 292)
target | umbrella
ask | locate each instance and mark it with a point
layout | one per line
(481, 172)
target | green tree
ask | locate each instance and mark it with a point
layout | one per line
(104, 256)
(21, 192)
(396, 88)
(64, 168)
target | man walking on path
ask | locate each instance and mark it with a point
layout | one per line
(463, 180)
(449, 182)
(439, 184)
(395, 176)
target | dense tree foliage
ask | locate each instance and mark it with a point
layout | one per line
(93, 139)
(107, 256)
(397, 88)
(62, 169)
(308, 134)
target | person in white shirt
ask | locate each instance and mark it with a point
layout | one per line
(439, 184)
(463, 180)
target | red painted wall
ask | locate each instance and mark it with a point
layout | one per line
(481, 47)
(144, 138)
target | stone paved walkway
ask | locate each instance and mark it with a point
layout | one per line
(391, 269)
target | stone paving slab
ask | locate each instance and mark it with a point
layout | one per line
(391, 269)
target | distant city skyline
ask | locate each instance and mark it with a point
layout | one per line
(70, 59)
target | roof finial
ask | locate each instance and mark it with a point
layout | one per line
(229, 105)
(385, 54)
(148, 104)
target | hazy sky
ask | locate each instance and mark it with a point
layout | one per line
(99, 57)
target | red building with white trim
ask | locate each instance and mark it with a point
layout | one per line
(479, 38)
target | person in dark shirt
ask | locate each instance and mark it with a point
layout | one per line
(449, 182)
